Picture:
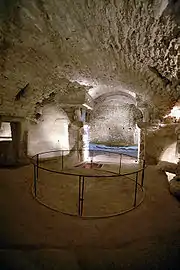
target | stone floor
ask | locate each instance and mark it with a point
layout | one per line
(104, 195)
(34, 237)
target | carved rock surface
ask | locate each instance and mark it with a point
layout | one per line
(175, 186)
(128, 45)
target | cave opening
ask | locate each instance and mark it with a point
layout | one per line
(5, 131)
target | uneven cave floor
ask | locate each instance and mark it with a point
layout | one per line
(35, 237)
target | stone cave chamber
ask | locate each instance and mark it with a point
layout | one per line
(90, 83)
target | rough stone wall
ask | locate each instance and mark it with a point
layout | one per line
(50, 133)
(169, 154)
(112, 122)
(46, 44)
(158, 141)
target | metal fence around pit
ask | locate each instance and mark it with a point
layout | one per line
(137, 176)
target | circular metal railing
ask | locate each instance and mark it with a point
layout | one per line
(136, 176)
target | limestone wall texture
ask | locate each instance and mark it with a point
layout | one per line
(50, 133)
(112, 122)
(158, 141)
(45, 45)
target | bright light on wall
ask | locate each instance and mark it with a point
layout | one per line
(58, 135)
(83, 81)
(5, 132)
(85, 143)
(138, 131)
(87, 106)
(51, 133)
(169, 155)
(175, 112)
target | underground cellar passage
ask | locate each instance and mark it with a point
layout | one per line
(89, 134)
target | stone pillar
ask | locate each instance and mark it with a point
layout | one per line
(145, 113)
(19, 141)
(142, 145)
(16, 136)
(83, 136)
(85, 142)
(143, 131)
(76, 129)
(24, 141)
(78, 115)
(80, 142)
(141, 141)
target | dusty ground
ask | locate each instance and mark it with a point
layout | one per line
(34, 237)
(102, 195)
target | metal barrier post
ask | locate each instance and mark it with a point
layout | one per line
(120, 163)
(35, 178)
(81, 195)
(62, 161)
(37, 163)
(135, 191)
(142, 179)
(92, 159)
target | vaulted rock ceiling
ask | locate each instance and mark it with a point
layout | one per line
(131, 46)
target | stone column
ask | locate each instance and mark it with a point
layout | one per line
(83, 136)
(142, 144)
(16, 135)
(141, 117)
(24, 141)
(19, 141)
(145, 113)
(80, 142)
(78, 128)
(75, 131)
(141, 141)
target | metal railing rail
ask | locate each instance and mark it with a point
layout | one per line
(35, 161)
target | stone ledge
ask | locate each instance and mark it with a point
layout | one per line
(174, 186)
